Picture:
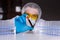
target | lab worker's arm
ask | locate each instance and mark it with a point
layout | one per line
(20, 23)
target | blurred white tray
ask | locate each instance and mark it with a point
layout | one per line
(7, 30)
(37, 35)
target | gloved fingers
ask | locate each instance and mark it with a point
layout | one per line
(19, 19)
(28, 28)
(24, 29)
(20, 23)
(24, 15)
(19, 27)
(22, 18)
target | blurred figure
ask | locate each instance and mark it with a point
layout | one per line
(33, 12)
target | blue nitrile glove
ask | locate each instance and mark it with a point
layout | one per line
(20, 23)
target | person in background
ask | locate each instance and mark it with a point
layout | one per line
(21, 21)
(30, 14)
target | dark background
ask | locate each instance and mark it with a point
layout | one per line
(8, 7)
(50, 8)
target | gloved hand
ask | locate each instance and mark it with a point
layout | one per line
(20, 23)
